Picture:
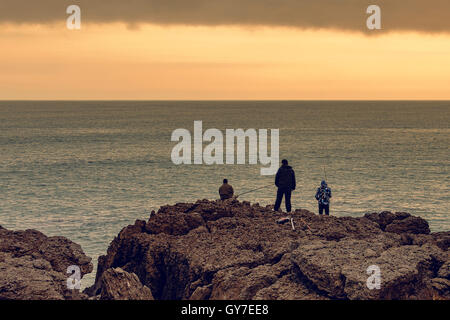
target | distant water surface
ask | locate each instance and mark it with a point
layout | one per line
(85, 170)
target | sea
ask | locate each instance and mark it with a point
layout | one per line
(86, 169)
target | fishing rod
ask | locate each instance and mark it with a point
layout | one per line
(290, 219)
(324, 162)
(253, 190)
(325, 172)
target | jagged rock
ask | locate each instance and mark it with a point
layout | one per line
(444, 271)
(288, 287)
(340, 269)
(33, 266)
(59, 251)
(117, 284)
(414, 225)
(201, 293)
(399, 222)
(442, 239)
(235, 250)
(243, 283)
(26, 278)
(442, 286)
(267, 281)
(385, 218)
(174, 224)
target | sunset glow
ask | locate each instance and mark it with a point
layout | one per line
(116, 61)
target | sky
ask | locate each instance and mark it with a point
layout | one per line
(227, 49)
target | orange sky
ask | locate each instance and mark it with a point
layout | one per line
(111, 61)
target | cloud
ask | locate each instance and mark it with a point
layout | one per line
(397, 15)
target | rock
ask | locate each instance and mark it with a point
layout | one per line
(340, 271)
(117, 284)
(242, 283)
(267, 281)
(33, 266)
(173, 224)
(442, 286)
(26, 278)
(369, 253)
(288, 287)
(399, 222)
(415, 225)
(442, 239)
(444, 271)
(235, 250)
(61, 253)
(201, 293)
(383, 219)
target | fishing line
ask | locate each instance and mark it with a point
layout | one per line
(253, 190)
(324, 162)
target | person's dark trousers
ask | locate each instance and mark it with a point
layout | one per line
(287, 199)
(323, 207)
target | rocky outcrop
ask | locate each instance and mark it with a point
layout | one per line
(117, 284)
(340, 269)
(33, 266)
(235, 250)
(442, 239)
(399, 222)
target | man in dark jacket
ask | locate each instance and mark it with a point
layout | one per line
(323, 196)
(226, 190)
(285, 181)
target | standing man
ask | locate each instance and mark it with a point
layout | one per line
(285, 181)
(226, 190)
(323, 196)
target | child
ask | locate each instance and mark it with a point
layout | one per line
(323, 196)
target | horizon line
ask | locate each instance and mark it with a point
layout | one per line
(206, 100)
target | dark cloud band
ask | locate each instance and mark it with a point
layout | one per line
(411, 15)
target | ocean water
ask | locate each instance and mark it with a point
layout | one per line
(85, 170)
